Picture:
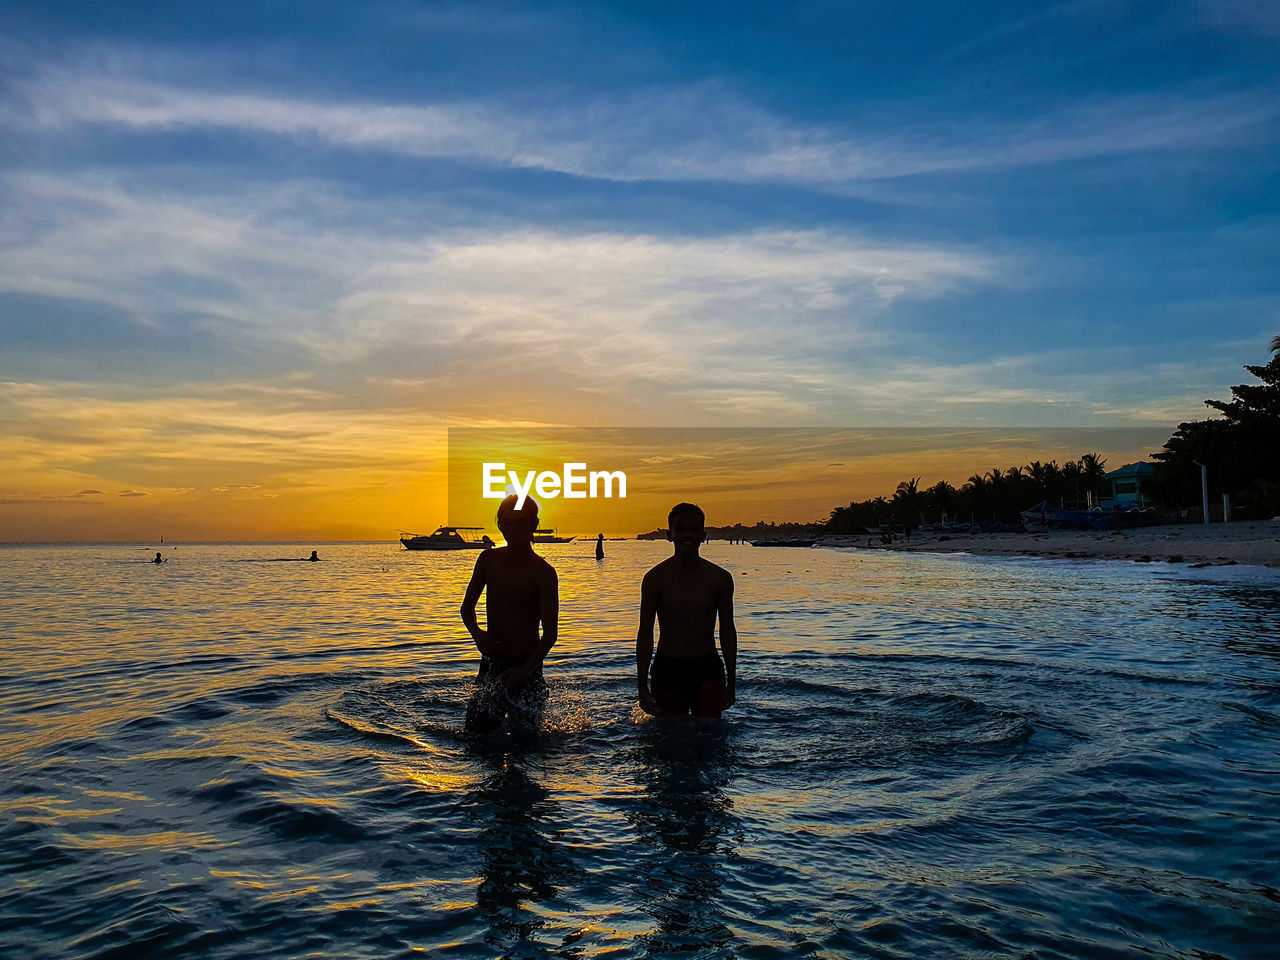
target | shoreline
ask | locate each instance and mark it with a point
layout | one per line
(1252, 542)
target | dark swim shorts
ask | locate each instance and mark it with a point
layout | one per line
(492, 701)
(677, 677)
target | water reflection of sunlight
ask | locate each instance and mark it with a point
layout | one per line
(687, 820)
(155, 840)
(522, 863)
(431, 779)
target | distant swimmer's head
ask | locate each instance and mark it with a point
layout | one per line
(518, 523)
(686, 527)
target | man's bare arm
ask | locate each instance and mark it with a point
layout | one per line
(549, 614)
(644, 642)
(468, 610)
(728, 640)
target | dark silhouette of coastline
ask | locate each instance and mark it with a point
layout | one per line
(1240, 449)
(998, 495)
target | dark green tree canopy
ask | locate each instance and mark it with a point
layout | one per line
(1240, 448)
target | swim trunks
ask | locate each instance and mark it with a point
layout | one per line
(492, 700)
(683, 679)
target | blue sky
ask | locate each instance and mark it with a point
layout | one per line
(642, 213)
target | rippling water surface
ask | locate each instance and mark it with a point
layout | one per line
(930, 756)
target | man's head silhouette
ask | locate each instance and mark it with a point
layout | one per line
(518, 523)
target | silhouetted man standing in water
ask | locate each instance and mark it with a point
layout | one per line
(521, 591)
(686, 592)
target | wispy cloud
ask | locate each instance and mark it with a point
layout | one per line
(704, 131)
(611, 305)
(1030, 22)
(763, 326)
(1241, 16)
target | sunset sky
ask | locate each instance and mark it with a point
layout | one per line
(256, 259)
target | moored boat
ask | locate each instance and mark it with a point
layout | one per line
(1044, 516)
(445, 538)
(1130, 515)
(550, 536)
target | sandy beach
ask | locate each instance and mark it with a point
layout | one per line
(1251, 542)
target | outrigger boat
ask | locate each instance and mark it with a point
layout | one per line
(1044, 517)
(445, 538)
(549, 536)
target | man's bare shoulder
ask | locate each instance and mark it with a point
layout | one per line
(659, 571)
(494, 561)
(718, 572)
(545, 569)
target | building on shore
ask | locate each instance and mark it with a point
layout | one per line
(1126, 484)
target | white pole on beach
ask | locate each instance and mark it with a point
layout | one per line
(1204, 488)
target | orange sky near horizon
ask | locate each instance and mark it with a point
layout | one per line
(301, 476)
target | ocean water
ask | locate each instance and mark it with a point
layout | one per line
(931, 756)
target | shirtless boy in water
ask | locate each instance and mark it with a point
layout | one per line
(687, 593)
(521, 590)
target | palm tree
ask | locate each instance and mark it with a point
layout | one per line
(1070, 474)
(1092, 472)
(974, 493)
(942, 498)
(879, 508)
(1052, 474)
(996, 488)
(1275, 344)
(906, 501)
(1038, 474)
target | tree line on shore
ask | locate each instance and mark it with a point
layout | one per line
(997, 495)
(993, 496)
(760, 530)
(1240, 449)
